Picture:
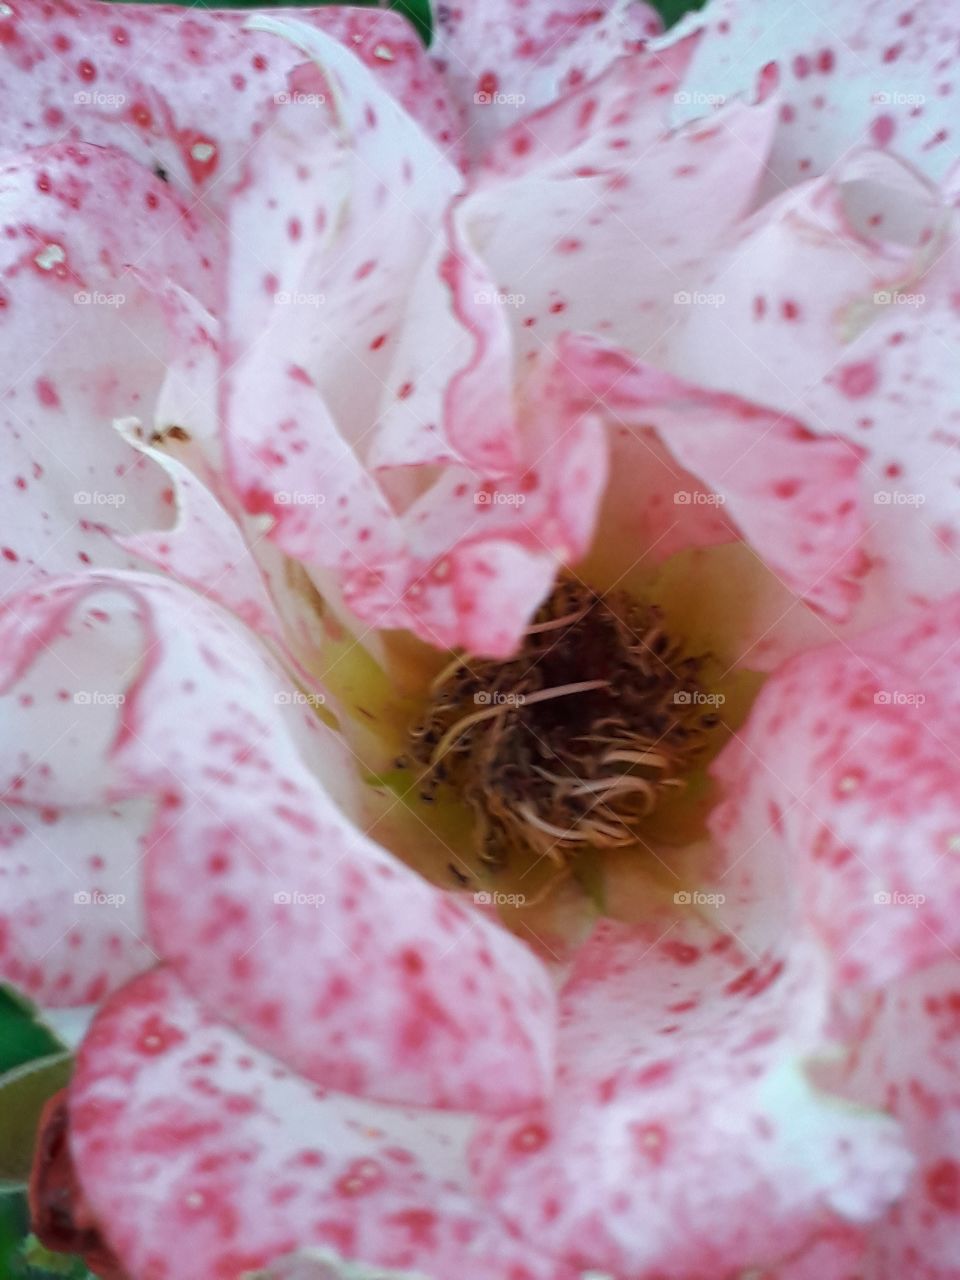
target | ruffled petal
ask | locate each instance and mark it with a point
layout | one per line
(846, 772)
(839, 308)
(97, 341)
(504, 59)
(846, 74)
(793, 496)
(254, 872)
(907, 1064)
(562, 214)
(184, 92)
(316, 339)
(201, 1157)
(684, 1136)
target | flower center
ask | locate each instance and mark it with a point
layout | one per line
(572, 743)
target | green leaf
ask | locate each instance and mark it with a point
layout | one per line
(671, 11)
(22, 1036)
(42, 1261)
(23, 1094)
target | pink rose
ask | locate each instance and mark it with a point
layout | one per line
(624, 942)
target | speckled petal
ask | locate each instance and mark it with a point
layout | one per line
(563, 201)
(880, 72)
(684, 1136)
(183, 91)
(840, 309)
(847, 773)
(505, 59)
(85, 341)
(907, 1064)
(204, 1158)
(255, 872)
(793, 496)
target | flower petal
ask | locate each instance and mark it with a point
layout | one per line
(98, 340)
(792, 494)
(254, 871)
(839, 309)
(847, 771)
(684, 1137)
(503, 59)
(203, 1158)
(182, 91)
(906, 1063)
(563, 201)
(846, 74)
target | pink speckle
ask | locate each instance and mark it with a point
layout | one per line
(858, 379)
(882, 130)
(47, 393)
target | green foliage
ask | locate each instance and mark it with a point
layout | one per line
(22, 1037)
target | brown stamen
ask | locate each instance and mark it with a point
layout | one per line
(572, 743)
